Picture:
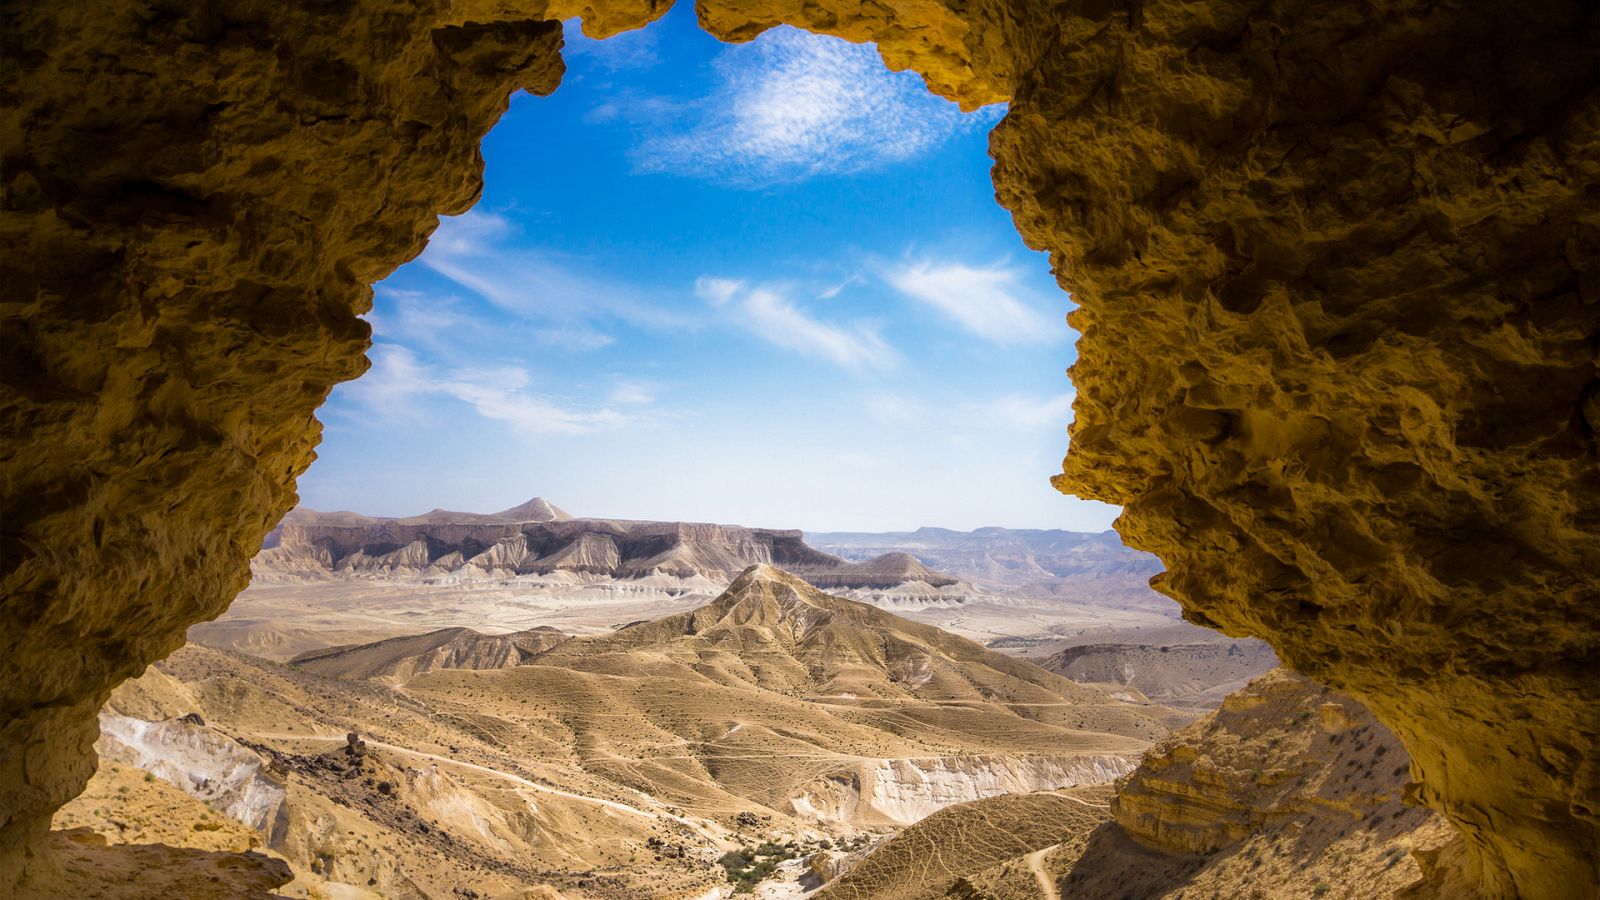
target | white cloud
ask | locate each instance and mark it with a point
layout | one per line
(399, 382)
(896, 409)
(475, 251)
(422, 319)
(988, 302)
(716, 291)
(601, 114)
(1029, 413)
(775, 319)
(393, 384)
(575, 337)
(632, 393)
(835, 290)
(792, 105)
(786, 325)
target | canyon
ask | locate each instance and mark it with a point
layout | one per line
(1335, 267)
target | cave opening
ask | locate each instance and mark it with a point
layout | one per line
(190, 251)
(775, 256)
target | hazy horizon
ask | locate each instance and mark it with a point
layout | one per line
(764, 284)
(583, 514)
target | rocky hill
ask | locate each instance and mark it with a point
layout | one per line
(400, 659)
(625, 764)
(774, 631)
(1181, 674)
(538, 538)
(1288, 790)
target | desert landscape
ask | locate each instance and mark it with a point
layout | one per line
(1248, 347)
(343, 578)
(625, 763)
(661, 710)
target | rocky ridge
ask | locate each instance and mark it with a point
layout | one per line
(402, 658)
(1288, 790)
(537, 538)
(1187, 674)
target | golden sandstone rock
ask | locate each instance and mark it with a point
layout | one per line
(1337, 263)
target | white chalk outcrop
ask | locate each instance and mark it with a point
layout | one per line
(903, 791)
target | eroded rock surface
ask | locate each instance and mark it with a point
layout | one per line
(1337, 269)
(1282, 750)
(539, 539)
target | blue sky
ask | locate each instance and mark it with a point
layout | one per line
(764, 284)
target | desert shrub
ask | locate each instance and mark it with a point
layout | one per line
(746, 868)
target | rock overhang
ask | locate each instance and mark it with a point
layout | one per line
(1337, 273)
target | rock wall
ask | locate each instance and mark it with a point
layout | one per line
(903, 791)
(1336, 265)
(1338, 269)
(196, 198)
(207, 765)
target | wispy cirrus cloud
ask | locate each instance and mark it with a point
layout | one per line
(770, 315)
(478, 251)
(791, 105)
(400, 381)
(988, 301)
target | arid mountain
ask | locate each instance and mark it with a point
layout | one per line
(400, 659)
(1180, 674)
(1035, 562)
(537, 538)
(771, 630)
(1289, 790)
(625, 764)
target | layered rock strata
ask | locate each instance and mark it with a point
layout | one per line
(443, 545)
(1337, 268)
(903, 791)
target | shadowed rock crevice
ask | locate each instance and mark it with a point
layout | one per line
(1337, 267)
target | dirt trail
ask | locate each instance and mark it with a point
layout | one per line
(1047, 887)
(1080, 801)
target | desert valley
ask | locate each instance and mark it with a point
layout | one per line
(529, 704)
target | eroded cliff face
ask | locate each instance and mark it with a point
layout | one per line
(1336, 265)
(196, 198)
(1339, 282)
(904, 791)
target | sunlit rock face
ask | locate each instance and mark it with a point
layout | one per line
(1339, 278)
(1337, 267)
(196, 197)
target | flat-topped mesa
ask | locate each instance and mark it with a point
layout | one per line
(498, 545)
